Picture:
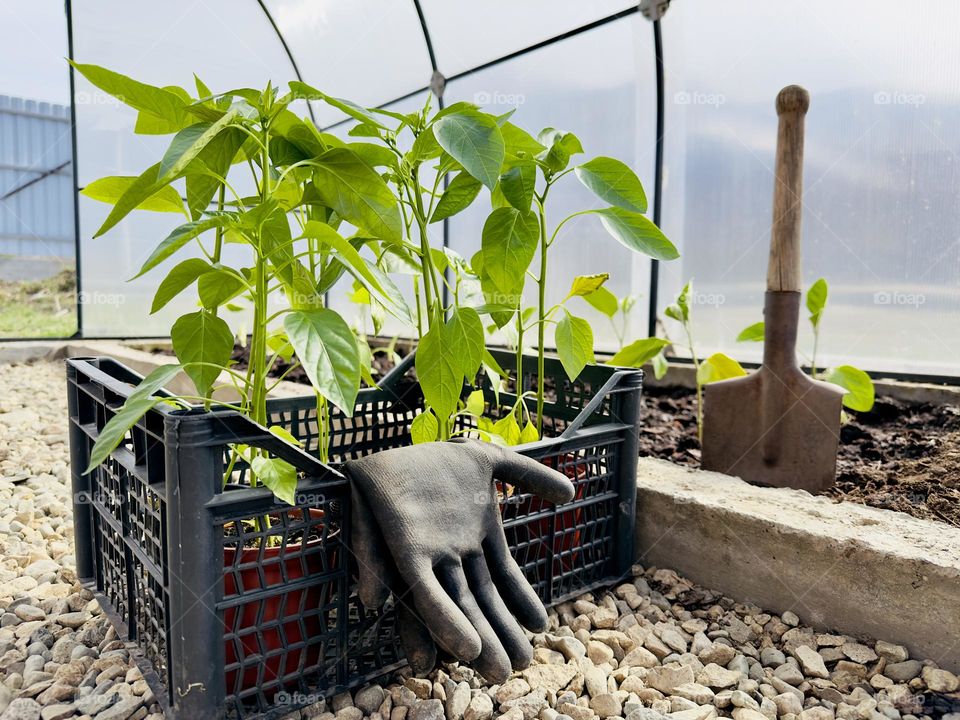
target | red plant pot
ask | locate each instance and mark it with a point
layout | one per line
(257, 627)
(559, 542)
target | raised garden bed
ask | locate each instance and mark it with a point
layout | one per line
(899, 456)
(223, 630)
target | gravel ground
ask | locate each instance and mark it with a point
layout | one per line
(653, 648)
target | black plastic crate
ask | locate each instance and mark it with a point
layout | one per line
(233, 618)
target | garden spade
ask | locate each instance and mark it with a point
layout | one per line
(778, 426)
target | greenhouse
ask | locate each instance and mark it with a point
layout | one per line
(423, 360)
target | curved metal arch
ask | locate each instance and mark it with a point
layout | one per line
(426, 36)
(286, 49)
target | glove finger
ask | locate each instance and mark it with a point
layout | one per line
(449, 626)
(417, 644)
(375, 568)
(513, 585)
(529, 474)
(493, 662)
(505, 626)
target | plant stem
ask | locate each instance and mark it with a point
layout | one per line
(258, 346)
(541, 309)
(217, 249)
(323, 428)
(813, 359)
(519, 351)
(431, 289)
(696, 367)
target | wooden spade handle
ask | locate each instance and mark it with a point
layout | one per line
(783, 272)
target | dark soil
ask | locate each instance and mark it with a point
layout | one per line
(382, 363)
(898, 456)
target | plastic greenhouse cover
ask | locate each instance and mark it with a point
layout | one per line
(880, 172)
(467, 34)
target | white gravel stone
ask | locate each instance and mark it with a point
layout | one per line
(648, 649)
(941, 681)
(811, 662)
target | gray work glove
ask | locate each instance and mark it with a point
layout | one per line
(434, 509)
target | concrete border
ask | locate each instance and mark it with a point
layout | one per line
(134, 355)
(840, 566)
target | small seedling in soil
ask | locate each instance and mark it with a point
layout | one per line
(859, 394)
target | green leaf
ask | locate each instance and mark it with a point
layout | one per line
(277, 475)
(679, 310)
(202, 337)
(303, 91)
(374, 155)
(574, 340)
(587, 284)
(140, 96)
(491, 362)
(719, 367)
(357, 193)
(752, 333)
(183, 149)
(177, 280)
(529, 434)
(111, 189)
(464, 338)
(327, 349)
(509, 242)
(202, 89)
(281, 432)
(519, 142)
(425, 147)
(604, 301)
(366, 361)
(219, 286)
(637, 233)
(475, 403)
(137, 404)
(639, 352)
(461, 191)
(473, 139)
(424, 428)
(859, 386)
(817, 301)
(613, 182)
(278, 342)
(507, 428)
(143, 187)
(347, 253)
(180, 237)
(660, 365)
(188, 143)
(518, 185)
(391, 298)
(212, 163)
(560, 147)
(441, 379)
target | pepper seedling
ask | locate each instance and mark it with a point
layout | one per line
(860, 393)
